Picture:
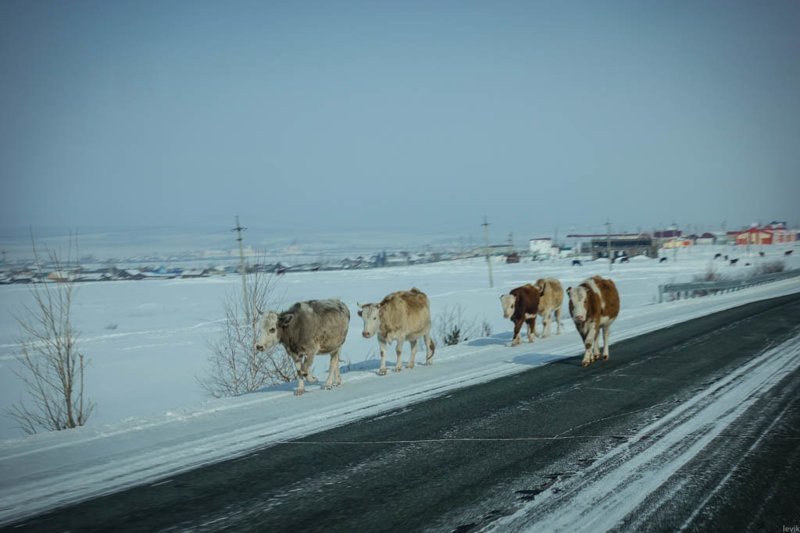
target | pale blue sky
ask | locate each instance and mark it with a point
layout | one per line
(400, 116)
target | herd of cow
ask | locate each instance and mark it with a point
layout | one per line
(320, 326)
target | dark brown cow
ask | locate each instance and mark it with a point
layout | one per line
(594, 305)
(521, 305)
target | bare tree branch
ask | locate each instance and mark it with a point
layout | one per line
(235, 366)
(51, 366)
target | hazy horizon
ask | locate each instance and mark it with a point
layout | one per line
(404, 118)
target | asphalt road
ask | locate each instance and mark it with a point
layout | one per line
(460, 462)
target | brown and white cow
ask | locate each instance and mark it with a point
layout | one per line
(521, 305)
(304, 330)
(401, 316)
(551, 300)
(594, 305)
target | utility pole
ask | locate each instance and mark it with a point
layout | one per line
(486, 240)
(608, 244)
(555, 246)
(239, 229)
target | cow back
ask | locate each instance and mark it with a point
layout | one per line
(526, 301)
(404, 312)
(552, 294)
(321, 323)
(602, 299)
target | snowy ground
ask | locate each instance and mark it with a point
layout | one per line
(147, 343)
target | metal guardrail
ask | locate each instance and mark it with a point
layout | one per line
(703, 288)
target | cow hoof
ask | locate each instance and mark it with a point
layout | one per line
(410, 367)
(397, 369)
(382, 372)
(584, 364)
(298, 392)
(605, 358)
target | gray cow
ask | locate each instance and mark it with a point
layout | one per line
(304, 330)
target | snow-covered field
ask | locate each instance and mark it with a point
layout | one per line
(147, 344)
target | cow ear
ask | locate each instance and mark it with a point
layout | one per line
(285, 320)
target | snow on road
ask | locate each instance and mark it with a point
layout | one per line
(132, 445)
(600, 497)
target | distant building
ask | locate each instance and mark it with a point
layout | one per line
(775, 233)
(541, 247)
(677, 243)
(706, 238)
(622, 244)
(500, 249)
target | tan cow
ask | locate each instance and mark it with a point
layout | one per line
(550, 303)
(401, 316)
(594, 305)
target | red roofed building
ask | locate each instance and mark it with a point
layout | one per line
(770, 234)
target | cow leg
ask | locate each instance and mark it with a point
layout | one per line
(588, 339)
(413, 343)
(337, 379)
(333, 371)
(605, 341)
(517, 327)
(546, 325)
(596, 344)
(532, 329)
(309, 361)
(298, 364)
(430, 347)
(557, 314)
(398, 349)
(382, 369)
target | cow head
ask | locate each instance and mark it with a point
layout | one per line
(508, 301)
(370, 314)
(577, 303)
(266, 331)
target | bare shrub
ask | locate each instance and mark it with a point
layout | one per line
(710, 274)
(486, 328)
(52, 365)
(452, 326)
(772, 267)
(236, 367)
